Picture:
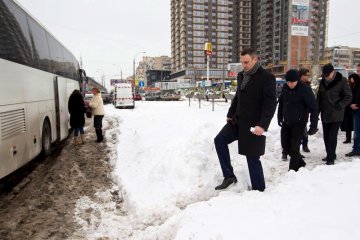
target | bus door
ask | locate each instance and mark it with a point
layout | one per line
(61, 102)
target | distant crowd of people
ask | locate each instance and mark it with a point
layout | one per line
(337, 101)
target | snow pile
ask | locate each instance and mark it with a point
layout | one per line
(167, 169)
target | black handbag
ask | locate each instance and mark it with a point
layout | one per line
(88, 112)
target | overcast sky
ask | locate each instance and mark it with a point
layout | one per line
(109, 34)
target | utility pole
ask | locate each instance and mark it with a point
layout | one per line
(161, 83)
(223, 81)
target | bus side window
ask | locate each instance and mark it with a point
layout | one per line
(40, 48)
(16, 47)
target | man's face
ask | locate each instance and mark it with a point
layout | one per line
(331, 76)
(248, 62)
(358, 70)
(291, 84)
(305, 78)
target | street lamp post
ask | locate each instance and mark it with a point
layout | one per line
(134, 67)
(102, 77)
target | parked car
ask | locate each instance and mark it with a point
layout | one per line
(88, 96)
(107, 98)
(87, 99)
(152, 96)
(137, 97)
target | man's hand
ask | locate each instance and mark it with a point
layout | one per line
(312, 131)
(354, 106)
(258, 131)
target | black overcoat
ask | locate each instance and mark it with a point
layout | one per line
(253, 106)
(76, 107)
(333, 98)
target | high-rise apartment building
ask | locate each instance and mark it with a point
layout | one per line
(290, 34)
(286, 33)
(224, 23)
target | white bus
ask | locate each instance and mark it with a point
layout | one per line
(37, 76)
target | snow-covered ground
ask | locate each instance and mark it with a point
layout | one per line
(166, 169)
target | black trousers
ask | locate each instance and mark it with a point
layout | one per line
(98, 127)
(227, 135)
(330, 132)
(290, 141)
(98, 121)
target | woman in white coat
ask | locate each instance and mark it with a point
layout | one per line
(97, 106)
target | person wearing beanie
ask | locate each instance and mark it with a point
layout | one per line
(295, 103)
(334, 94)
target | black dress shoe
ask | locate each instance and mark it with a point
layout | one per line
(347, 141)
(329, 163)
(226, 182)
(305, 148)
(352, 154)
(302, 163)
(324, 159)
(284, 157)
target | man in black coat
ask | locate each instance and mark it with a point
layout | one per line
(295, 103)
(333, 96)
(252, 107)
(355, 107)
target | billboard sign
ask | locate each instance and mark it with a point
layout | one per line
(300, 18)
(115, 81)
(234, 69)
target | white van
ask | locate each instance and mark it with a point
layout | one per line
(123, 95)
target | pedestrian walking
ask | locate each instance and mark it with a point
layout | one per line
(295, 103)
(254, 105)
(304, 74)
(333, 95)
(347, 124)
(76, 108)
(98, 111)
(355, 104)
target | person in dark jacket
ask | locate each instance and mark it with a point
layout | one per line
(253, 106)
(304, 74)
(76, 107)
(333, 95)
(347, 124)
(355, 104)
(295, 103)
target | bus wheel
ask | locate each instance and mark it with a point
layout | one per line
(46, 140)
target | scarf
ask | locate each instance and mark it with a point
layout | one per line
(247, 75)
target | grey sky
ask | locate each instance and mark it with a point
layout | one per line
(108, 34)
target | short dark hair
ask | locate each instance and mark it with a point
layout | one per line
(303, 71)
(249, 51)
